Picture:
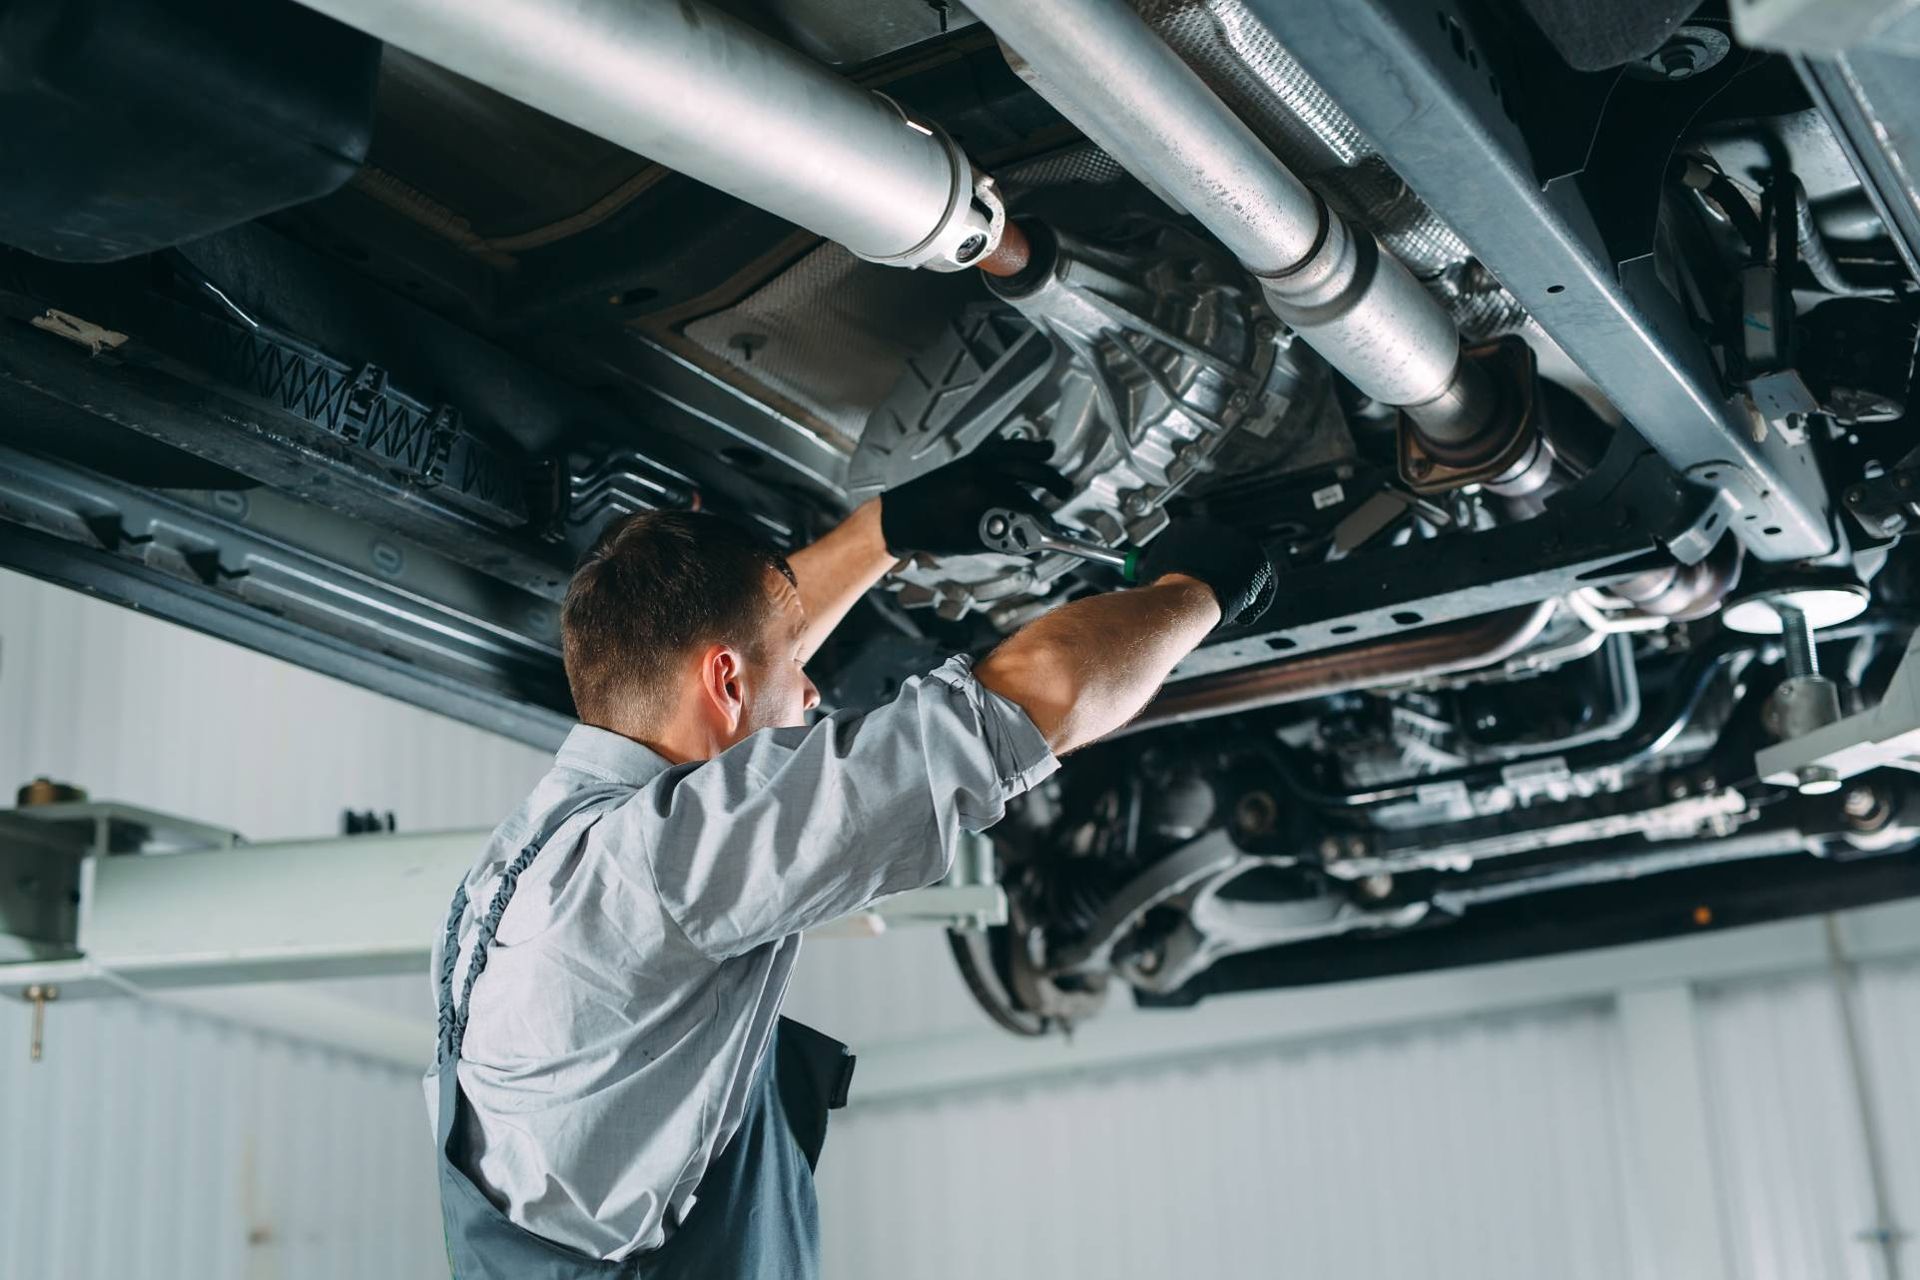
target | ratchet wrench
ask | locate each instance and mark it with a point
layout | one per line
(1016, 533)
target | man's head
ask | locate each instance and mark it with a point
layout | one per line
(683, 631)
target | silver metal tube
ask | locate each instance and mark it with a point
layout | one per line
(1107, 71)
(1359, 307)
(702, 93)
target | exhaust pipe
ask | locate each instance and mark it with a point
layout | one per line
(696, 90)
(1106, 70)
(703, 93)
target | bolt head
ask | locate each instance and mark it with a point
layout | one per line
(1256, 813)
(1678, 62)
(1859, 802)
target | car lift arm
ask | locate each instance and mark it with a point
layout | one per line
(88, 920)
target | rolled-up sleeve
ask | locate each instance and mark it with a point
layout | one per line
(794, 827)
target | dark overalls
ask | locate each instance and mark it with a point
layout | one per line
(754, 1213)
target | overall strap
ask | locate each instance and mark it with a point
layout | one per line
(447, 1035)
(451, 1015)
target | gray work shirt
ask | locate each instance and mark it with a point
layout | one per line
(637, 974)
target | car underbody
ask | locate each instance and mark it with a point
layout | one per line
(1577, 424)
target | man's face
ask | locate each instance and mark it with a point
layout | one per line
(778, 693)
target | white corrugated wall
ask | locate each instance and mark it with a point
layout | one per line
(1508, 1141)
(1490, 1148)
(1889, 1004)
(140, 711)
(152, 1146)
(1792, 1168)
(1793, 1158)
(157, 1145)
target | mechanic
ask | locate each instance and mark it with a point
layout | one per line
(620, 1097)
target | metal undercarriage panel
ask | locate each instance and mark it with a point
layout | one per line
(370, 432)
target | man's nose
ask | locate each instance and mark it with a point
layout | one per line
(811, 698)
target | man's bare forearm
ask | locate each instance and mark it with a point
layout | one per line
(837, 570)
(1088, 667)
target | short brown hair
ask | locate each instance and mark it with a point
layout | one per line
(654, 586)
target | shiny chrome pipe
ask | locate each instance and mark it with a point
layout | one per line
(1106, 70)
(699, 91)
(696, 90)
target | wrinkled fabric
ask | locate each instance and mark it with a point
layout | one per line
(757, 1212)
(634, 981)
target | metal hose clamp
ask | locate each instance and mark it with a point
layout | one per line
(964, 234)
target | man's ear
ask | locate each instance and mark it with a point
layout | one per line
(722, 677)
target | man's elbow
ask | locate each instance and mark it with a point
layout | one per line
(1041, 681)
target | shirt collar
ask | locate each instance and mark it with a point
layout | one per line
(609, 756)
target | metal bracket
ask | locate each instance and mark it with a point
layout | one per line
(1443, 124)
(1886, 505)
(1630, 516)
(1886, 735)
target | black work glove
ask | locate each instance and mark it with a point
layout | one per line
(939, 513)
(1228, 561)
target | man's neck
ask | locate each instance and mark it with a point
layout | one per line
(674, 743)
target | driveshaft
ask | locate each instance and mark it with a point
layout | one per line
(699, 91)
